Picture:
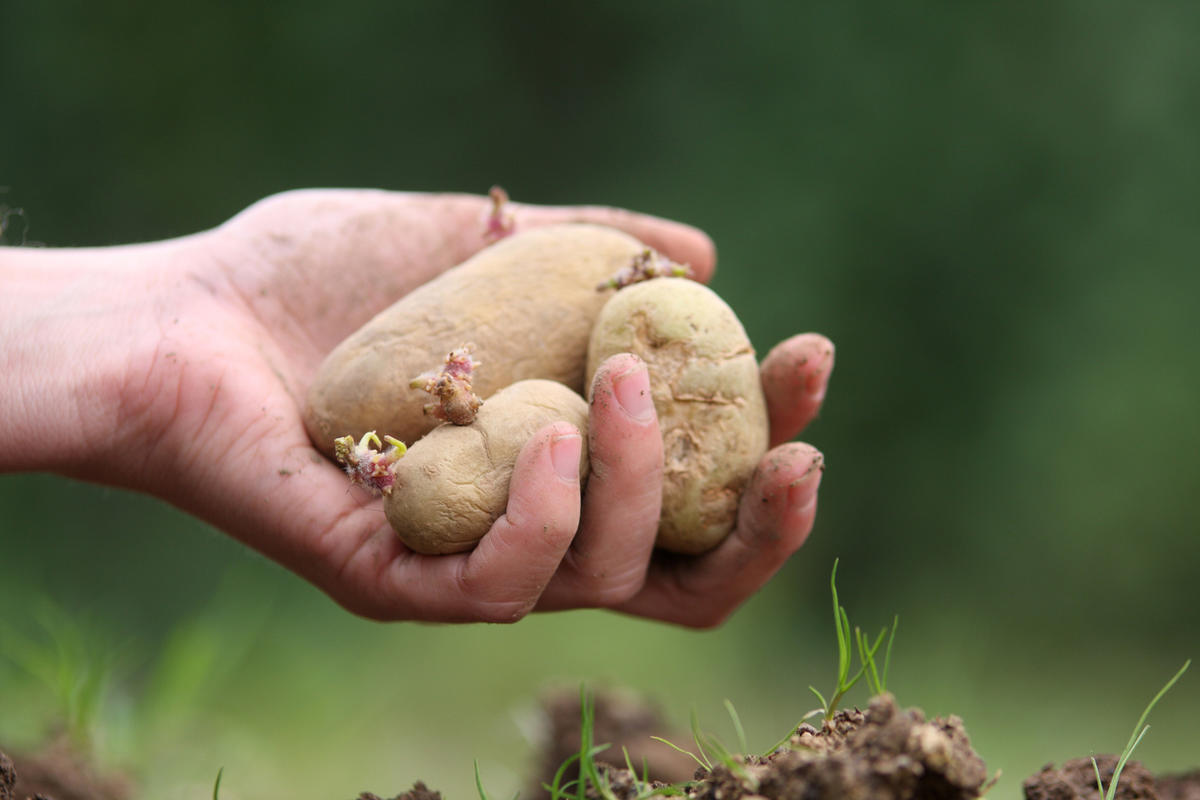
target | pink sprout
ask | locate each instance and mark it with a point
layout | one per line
(368, 463)
(500, 221)
(456, 402)
(644, 266)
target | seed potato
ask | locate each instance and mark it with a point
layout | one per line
(527, 303)
(708, 396)
(452, 484)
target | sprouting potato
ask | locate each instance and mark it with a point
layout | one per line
(448, 489)
(536, 311)
(708, 396)
(527, 303)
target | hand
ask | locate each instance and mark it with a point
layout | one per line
(179, 368)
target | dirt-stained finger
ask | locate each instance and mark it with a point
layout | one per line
(503, 577)
(795, 377)
(512, 565)
(774, 519)
(607, 562)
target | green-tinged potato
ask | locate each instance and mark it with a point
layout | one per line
(527, 303)
(452, 484)
(708, 396)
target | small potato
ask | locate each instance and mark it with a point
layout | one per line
(708, 396)
(527, 303)
(452, 484)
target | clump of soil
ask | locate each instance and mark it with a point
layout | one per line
(58, 772)
(1076, 780)
(8, 778)
(419, 791)
(1180, 787)
(884, 753)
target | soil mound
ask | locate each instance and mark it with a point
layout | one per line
(58, 772)
(883, 753)
(1076, 780)
(419, 791)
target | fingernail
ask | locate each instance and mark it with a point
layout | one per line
(564, 452)
(632, 389)
(802, 490)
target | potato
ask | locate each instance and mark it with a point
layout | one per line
(708, 396)
(452, 484)
(527, 303)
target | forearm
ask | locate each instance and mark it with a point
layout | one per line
(69, 323)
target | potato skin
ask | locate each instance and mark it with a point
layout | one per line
(452, 484)
(527, 303)
(708, 396)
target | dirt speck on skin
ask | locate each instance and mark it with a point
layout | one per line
(1076, 780)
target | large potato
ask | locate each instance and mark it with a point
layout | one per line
(527, 303)
(708, 396)
(453, 484)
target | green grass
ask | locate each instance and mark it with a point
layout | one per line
(876, 680)
(1139, 730)
(866, 652)
(69, 662)
(591, 774)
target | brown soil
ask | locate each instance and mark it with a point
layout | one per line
(8, 778)
(58, 772)
(419, 791)
(884, 753)
(1076, 780)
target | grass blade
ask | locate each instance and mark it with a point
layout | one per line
(1112, 787)
(820, 697)
(217, 783)
(843, 645)
(637, 783)
(556, 788)
(1139, 731)
(1142, 720)
(698, 738)
(479, 782)
(737, 725)
(679, 749)
(839, 614)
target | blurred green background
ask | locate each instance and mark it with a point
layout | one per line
(992, 210)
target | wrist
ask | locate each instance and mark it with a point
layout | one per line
(74, 323)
